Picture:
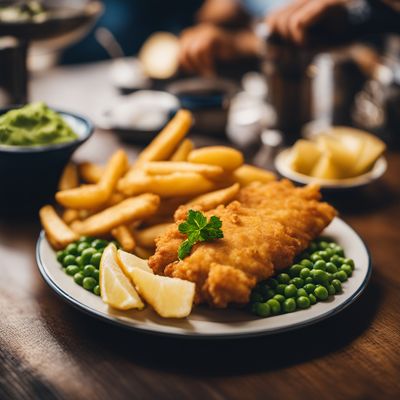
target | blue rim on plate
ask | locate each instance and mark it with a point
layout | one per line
(195, 335)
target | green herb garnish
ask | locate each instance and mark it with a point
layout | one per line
(198, 229)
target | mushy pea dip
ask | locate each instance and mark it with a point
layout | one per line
(34, 125)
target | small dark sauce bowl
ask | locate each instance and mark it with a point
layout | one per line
(29, 175)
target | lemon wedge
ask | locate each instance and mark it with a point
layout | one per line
(116, 289)
(170, 297)
(304, 156)
(128, 262)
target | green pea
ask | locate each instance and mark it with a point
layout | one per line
(88, 270)
(72, 269)
(96, 290)
(290, 291)
(95, 259)
(256, 297)
(331, 290)
(96, 275)
(312, 298)
(335, 260)
(69, 259)
(324, 255)
(283, 278)
(82, 246)
(341, 275)
(350, 262)
(339, 251)
(294, 270)
(87, 255)
(267, 292)
(85, 239)
(301, 292)
(323, 245)
(79, 261)
(330, 253)
(315, 257)
(99, 244)
(319, 276)
(306, 263)
(321, 292)
(263, 310)
(275, 306)
(298, 282)
(78, 278)
(60, 256)
(89, 283)
(331, 267)
(72, 248)
(280, 289)
(272, 283)
(347, 269)
(279, 297)
(303, 302)
(309, 288)
(309, 280)
(320, 264)
(337, 285)
(289, 305)
(305, 273)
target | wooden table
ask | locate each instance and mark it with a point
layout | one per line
(48, 350)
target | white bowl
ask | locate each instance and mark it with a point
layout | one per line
(282, 165)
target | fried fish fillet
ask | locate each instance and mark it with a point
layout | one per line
(264, 229)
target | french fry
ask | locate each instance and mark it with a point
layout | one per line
(93, 196)
(57, 232)
(69, 178)
(175, 184)
(115, 168)
(114, 199)
(169, 167)
(90, 172)
(226, 157)
(127, 211)
(143, 252)
(146, 237)
(213, 199)
(124, 237)
(247, 174)
(166, 141)
(83, 197)
(183, 150)
(70, 215)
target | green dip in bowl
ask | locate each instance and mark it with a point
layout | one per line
(34, 125)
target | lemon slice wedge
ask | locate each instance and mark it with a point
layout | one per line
(116, 289)
(128, 262)
(170, 297)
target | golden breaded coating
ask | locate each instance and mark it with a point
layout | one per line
(264, 230)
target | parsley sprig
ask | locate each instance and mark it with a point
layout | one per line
(198, 229)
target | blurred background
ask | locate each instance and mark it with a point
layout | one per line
(260, 73)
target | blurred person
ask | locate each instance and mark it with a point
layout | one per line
(224, 31)
(132, 22)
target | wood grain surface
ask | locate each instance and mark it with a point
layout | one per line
(49, 350)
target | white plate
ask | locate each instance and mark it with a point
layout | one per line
(209, 323)
(282, 165)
